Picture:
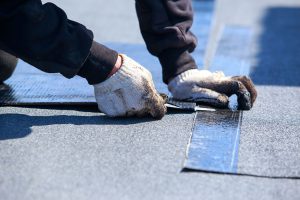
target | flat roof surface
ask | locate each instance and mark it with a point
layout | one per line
(68, 152)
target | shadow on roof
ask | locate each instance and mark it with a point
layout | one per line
(278, 60)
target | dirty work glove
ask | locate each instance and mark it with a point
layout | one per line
(129, 92)
(213, 88)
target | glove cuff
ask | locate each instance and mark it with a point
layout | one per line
(179, 79)
(174, 62)
(118, 79)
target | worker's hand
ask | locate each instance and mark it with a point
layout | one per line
(213, 88)
(129, 92)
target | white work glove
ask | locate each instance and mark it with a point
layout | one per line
(213, 88)
(129, 92)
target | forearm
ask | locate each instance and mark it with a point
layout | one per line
(165, 27)
(43, 36)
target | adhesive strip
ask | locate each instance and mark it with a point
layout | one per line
(214, 142)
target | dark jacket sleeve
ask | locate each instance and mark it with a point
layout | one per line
(42, 35)
(165, 27)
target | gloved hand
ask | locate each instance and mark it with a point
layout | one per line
(129, 92)
(213, 88)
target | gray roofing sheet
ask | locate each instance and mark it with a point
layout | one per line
(76, 153)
